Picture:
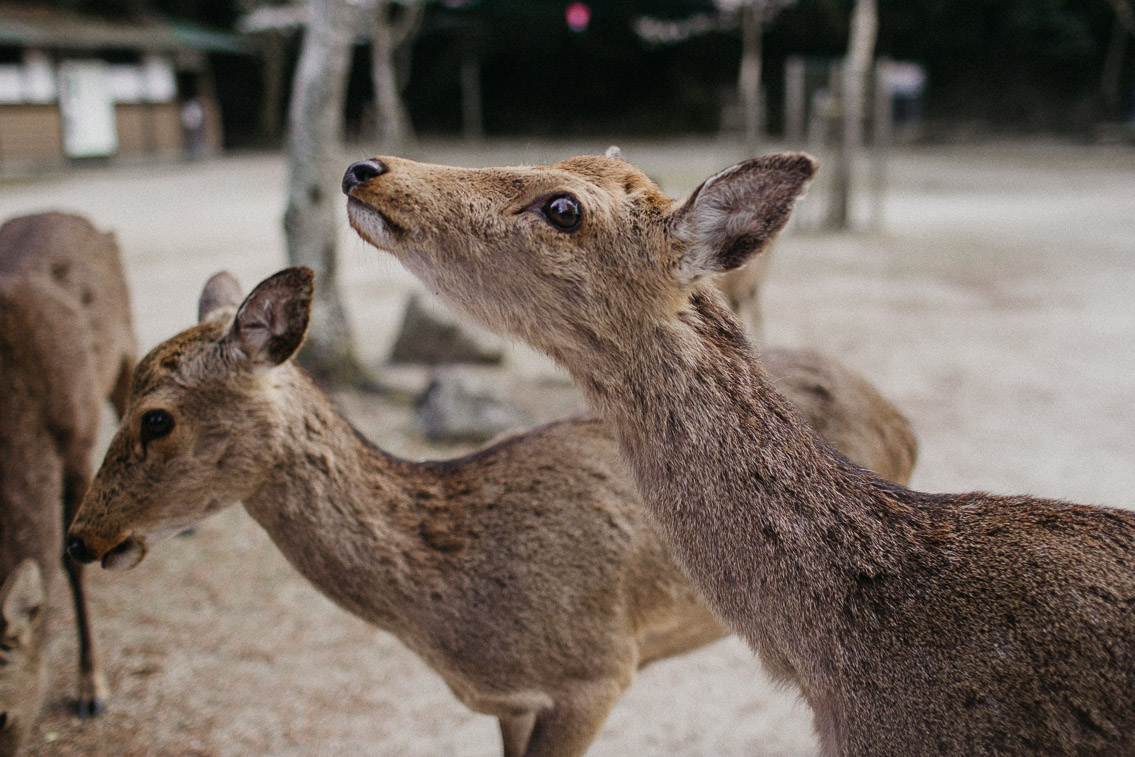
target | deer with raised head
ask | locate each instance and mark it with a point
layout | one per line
(523, 574)
(912, 623)
(66, 346)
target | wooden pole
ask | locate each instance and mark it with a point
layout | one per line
(794, 100)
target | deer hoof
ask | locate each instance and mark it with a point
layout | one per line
(93, 696)
(91, 708)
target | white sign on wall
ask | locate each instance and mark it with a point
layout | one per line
(11, 84)
(39, 77)
(126, 84)
(86, 102)
(160, 84)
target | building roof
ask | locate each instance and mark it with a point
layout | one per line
(43, 27)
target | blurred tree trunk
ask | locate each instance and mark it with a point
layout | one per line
(392, 25)
(315, 207)
(749, 79)
(1112, 76)
(472, 121)
(856, 79)
(272, 82)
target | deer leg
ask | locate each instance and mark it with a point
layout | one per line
(568, 728)
(93, 687)
(515, 732)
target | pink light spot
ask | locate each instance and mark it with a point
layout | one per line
(578, 16)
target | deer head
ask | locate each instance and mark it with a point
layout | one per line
(197, 420)
(590, 234)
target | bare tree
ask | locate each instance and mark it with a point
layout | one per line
(392, 25)
(1110, 79)
(273, 25)
(755, 16)
(315, 126)
(856, 72)
(749, 77)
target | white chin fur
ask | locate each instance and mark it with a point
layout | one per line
(368, 223)
(159, 535)
(125, 555)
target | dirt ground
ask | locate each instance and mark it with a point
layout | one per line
(992, 304)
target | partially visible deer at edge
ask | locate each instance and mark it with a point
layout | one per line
(523, 574)
(66, 346)
(912, 623)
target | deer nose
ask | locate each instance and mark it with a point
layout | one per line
(361, 172)
(78, 551)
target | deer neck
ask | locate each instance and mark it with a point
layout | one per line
(768, 520)
(340, 510)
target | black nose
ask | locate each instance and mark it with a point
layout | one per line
(358, 173)
(78, 551)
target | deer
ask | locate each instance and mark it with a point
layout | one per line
(911, 623)
(66, 346)
(742, 290)
(22, 601)
(523, 574)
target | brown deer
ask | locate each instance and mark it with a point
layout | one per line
(523, 574)
(912, 623)
(22, 601)
(66, 346)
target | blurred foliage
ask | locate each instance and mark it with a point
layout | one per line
(218, 13)
(1031, 64)
(540, 77)
(1027, 64)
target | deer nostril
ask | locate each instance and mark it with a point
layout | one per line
(361, 172)
(78, 551)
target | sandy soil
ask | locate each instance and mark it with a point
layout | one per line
(992, 304)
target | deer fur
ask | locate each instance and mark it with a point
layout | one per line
(66, 346)
(523, 574)
(912, 623)
(741, 286)
(22, 603)
(742, 290)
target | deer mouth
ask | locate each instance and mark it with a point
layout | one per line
(126, 555)
(370, 223)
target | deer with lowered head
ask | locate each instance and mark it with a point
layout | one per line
(523, 574)
(912, 623)
(66, 346)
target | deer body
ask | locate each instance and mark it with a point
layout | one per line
(424, 550)
(523, 573)
(912, 623)
(66, 346)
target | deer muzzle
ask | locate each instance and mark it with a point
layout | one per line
(126, 554)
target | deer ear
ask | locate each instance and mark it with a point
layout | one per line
(734, 214)
(221, 291)
(270, 324)
(21, 601)
(615, 153)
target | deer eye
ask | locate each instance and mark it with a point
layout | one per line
(156, 424)
(563, 212)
